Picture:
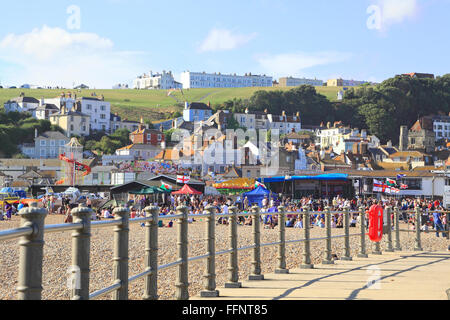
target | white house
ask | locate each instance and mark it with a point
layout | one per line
(22, 104)
(139, 151)
(342, 139)
(191, 80)
(100, 175)
(157, 81)
(98, 110)
(285, 124)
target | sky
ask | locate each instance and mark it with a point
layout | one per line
(105, 42)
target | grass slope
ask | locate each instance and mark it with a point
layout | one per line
(156, 104)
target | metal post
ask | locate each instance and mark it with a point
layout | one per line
(210, 276)
(362, 217)
(121, 253)
(256, 263)
(347, 256)
(328, 258)
(390, 247)
(397, 243)
(81, 248)
(151, 254)
(306, 264)
(182, 283)
(233, 268)
(282, 248)
(418, 245)
(31, 253)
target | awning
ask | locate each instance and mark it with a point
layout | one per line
(322, 177)
(187, 190)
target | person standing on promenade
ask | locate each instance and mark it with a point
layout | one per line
(437, 219)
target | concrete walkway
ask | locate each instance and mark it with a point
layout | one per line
(396, 276)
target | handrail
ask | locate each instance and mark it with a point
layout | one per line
(15, 233)
(63, 227)
(33, 230)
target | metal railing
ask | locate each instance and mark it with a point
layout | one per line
(32, 230)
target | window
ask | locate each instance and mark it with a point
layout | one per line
(413, 184)
(52, 143)
(89, 107)
(103, 108)
(159, 137)
(43, 143)
(71, 127)
(62, 143)
(95, 176)
(43, 153)
(103, 116)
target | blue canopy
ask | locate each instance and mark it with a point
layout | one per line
(256, 196)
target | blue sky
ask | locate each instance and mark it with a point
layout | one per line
(40, 42)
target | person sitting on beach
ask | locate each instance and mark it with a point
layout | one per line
(299, 224)
(321, 223)
(353, 222)
(68, 218)
(107, 214)
(340, 222)
(290, 223)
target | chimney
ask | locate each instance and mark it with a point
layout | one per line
(35, 133)
(41, 102)
(186, 105)
(389, 144)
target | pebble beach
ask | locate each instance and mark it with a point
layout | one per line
(57, 256)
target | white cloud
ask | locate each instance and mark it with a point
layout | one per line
(54, 56)
(397, 11)
(294, 64)
(223, 40)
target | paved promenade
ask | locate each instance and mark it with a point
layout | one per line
(397, 276)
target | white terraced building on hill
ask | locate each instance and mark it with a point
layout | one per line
(156, 81)
(192, 80)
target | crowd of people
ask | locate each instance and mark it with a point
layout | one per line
(432, 217)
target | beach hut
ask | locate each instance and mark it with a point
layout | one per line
(256, 196)
(187, 190)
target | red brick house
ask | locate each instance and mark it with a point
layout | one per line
(147, 136)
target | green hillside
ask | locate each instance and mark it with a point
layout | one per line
(156, 104)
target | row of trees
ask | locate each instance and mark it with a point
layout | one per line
(395, 102)
(106, 144)
(314, 108)
(382, 109)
